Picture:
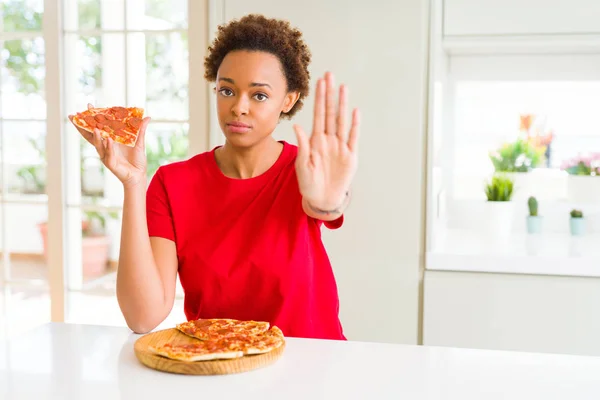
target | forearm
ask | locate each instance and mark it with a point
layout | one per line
(140, 290)
(326, 214)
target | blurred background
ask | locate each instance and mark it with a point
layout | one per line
(475, 220)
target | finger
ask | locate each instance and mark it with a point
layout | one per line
(303, 156)
(109, 153)
(319, 117)
(142, 133)
(330, 106)
(354, 130)
(97, 142)
(341, 117)
(90, 106)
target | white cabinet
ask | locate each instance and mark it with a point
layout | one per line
(521, 17)
(512, 312)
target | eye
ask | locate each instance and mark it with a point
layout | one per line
(226, 92)
(261, 96)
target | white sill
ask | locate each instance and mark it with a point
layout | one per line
(544, 254)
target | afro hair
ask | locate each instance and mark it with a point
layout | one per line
(258, 33)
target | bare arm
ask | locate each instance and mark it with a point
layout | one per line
(147, 272)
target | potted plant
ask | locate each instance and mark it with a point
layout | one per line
(577, 223)
(95, 243)
(583, 181)
(518, 158)
(534, 221)
(500, 208)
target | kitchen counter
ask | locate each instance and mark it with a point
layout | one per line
(68, 361)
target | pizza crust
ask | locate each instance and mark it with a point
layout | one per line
(183, 354)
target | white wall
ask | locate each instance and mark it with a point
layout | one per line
(379, 48)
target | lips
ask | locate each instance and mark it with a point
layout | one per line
(238, 127)
(238, 124)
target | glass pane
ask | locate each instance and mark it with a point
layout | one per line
(94, 15)
(100, 235)
(23, 74)
(26, 210)
(27, 240)
(165, 143)
(156, 14)
(164, 86)
(25, 156)
(94, 71)
(21, 15)
(92, 171)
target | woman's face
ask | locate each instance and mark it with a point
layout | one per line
(251, 93)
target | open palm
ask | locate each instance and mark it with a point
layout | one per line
(128, 164)
(326, 163)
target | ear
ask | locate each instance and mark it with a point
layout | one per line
(290, 99)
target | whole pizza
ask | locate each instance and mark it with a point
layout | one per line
(121, 124)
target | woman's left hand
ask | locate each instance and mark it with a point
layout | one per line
(326, 163)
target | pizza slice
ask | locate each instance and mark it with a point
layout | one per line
(200, 351)
(121, 124)
(205, 329)
(265, 342)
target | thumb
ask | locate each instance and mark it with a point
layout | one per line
(303, 145)
(141, 139)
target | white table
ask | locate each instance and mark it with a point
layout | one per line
(63, 361)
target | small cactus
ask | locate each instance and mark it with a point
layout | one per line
(576, 214)
(533, 206)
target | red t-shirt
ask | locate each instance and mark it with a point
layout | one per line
(246, 248)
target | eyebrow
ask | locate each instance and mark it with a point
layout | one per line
(251, 84)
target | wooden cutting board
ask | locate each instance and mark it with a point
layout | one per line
(212, 367)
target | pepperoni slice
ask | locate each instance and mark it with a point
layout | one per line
(100, 126)
(134, 122)
(106, 128)
(100, 118)
(90, 121)
(116, 125)
(120, 112)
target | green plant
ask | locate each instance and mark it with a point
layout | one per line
(499, 189)
(533, 206)
(89, 228)
(576, 214)
(30, 174)
(519, 156)
(165, 150)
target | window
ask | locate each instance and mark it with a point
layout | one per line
(23, 206)
(120, 52)
(520, 108)
(114, 52)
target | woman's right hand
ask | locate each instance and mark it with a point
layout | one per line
(128, 164)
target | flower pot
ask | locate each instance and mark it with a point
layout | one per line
(94, 251)
(498, 218)
(95, 255)
(534, 224)
(577, 226)
(583, 188)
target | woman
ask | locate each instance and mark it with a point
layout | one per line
(241, 223)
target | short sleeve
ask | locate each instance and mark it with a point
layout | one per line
(158, 210)
(335, 224)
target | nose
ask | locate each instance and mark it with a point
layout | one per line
(240, 107)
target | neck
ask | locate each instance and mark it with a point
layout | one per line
(244, 163)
